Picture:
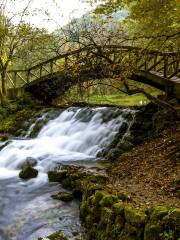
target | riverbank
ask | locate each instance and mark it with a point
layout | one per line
(109, 212)
(136, 196)
(120, 199)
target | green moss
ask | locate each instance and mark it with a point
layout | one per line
(98, 196)
(55, 236)
(108, 200)
(153, 231)
(56, 176)
(63, 196)
(28, 172)
(118, 208)
(124, 196)
(83, 209)
(134, 216)
(158, 212)
(131, 233)
(97, 178)
(107, 216)
(67, 183)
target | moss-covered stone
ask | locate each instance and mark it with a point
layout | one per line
(171, 223)
(28, 172)
(97, 178)
(55, 236)
(56, 176)
(98, 196)
(118, 208)
(108, 200)
(63, 196)
(157, 213)
(153, 231)
(124, 196)
(134, 216)
(131, 233)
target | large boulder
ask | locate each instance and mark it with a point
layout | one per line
(28, 172)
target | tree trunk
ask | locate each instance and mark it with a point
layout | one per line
(1, 98)
(3, 83)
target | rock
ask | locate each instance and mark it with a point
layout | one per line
(28, 172)
(118, 208)
(124, 196)
(153, 231)
(57, 176)
(126, 146)
(55, 236)
(63, 196)
(108, 200)
(172, 221)
(4, 145)
(157, 213)
(134, 216)
(114, 153)
(4, 138)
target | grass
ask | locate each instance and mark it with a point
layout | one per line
(119, 99)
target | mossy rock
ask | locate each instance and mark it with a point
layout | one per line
(98, 196)
(134, 216)
(55, 236)
(4, 138)
(63, 196)
(28, 172)
(108, 200)
(157, 213)
(97, 178)
(57, 176)
(84, 209)
(131, 233)
(4, 145)
(124, 196)
(153, 231)
(91, 188)
(67, 183)
(172, 222)
(118, 208)
(107, 216)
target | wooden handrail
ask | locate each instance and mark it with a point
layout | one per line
(71, 53)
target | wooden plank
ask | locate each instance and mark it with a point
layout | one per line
(10, 79)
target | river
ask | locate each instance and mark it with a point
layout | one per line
(73, 136)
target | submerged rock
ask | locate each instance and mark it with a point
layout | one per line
(55, 236)
(28, 172)
(4, 144)
(63, 196)
(56, 176)
(32, 161)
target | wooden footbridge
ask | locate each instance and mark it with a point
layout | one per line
(54, 77)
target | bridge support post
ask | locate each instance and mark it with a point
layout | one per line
(169, 90)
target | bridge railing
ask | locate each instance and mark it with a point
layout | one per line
(164, 64)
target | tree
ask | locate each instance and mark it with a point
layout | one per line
(21, 45)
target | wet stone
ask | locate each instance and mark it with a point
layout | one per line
(63, 196)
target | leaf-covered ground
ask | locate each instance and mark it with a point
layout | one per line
(149, 173)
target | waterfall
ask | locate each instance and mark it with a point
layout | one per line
(77, 134)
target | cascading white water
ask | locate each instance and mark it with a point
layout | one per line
(75, 135)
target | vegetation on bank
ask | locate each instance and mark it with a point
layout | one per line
(14, 114)
(108, 214)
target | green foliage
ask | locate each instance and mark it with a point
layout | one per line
(167, 235)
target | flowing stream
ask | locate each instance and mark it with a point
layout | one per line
(75, 136)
